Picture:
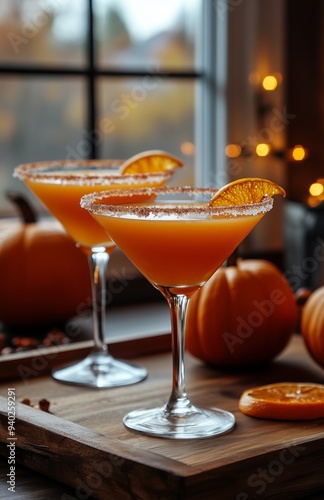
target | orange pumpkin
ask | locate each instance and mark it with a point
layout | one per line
(245, 314)
(45, 278)
(312, 325)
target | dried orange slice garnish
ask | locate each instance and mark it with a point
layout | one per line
(245, 191)
(150, 161)
(284, 401)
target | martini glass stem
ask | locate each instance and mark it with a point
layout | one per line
(99, 369)
(98, 261)
(178, 403)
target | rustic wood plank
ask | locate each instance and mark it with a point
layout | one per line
(85, 432)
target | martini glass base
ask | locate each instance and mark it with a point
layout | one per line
(100, 371)
(194, 424)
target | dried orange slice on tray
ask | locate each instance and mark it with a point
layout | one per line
(150, 161)
(284, 401)
(244, 191)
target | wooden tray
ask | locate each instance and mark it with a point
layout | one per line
(85, 445)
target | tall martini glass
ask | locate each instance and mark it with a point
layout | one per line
(177, 240)
(59, 185)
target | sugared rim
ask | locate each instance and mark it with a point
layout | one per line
(33, 172)
(98, 203)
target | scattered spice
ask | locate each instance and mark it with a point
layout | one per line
(26, 401)
(54, 337)
(43, 404)
(25, 342)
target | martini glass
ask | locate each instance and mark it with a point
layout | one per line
(59, 185)
(177, 240)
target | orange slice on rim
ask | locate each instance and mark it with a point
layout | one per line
(284, 401)
(245, 191)
(150, 161)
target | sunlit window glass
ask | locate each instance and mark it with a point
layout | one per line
(136, 34)
(146, 113)
(40, 119)
(51, 32)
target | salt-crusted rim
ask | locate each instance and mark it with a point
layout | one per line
(37, 172)
(98, 203)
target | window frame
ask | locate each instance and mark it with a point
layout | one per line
(211, 102)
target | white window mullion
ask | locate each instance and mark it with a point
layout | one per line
(211, 104)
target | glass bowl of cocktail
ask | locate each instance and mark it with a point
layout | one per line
(178, 237)
(59, 185)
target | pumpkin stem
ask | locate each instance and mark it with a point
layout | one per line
(27, 212)
(232, 259)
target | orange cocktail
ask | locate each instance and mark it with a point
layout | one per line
(177, 239)
(60, 185)
(178, 251)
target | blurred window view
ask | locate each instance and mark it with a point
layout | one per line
(96, 78)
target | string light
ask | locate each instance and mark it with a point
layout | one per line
(316, 189)
(233, 150)
(269, 82)
(316, 193)
(262, 149)
(298, 153)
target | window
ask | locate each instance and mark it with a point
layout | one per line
(110, 78)
(99, 78)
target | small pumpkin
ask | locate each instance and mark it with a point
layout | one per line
(245, 314)
(312, 325)
(45, 278)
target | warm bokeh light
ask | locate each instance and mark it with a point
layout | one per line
(316, 189)
(233, 150)
(269, 82)
(316, 193)
(262, 149)
(298, 153)
(187, 148)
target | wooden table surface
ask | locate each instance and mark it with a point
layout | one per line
(258, 459)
